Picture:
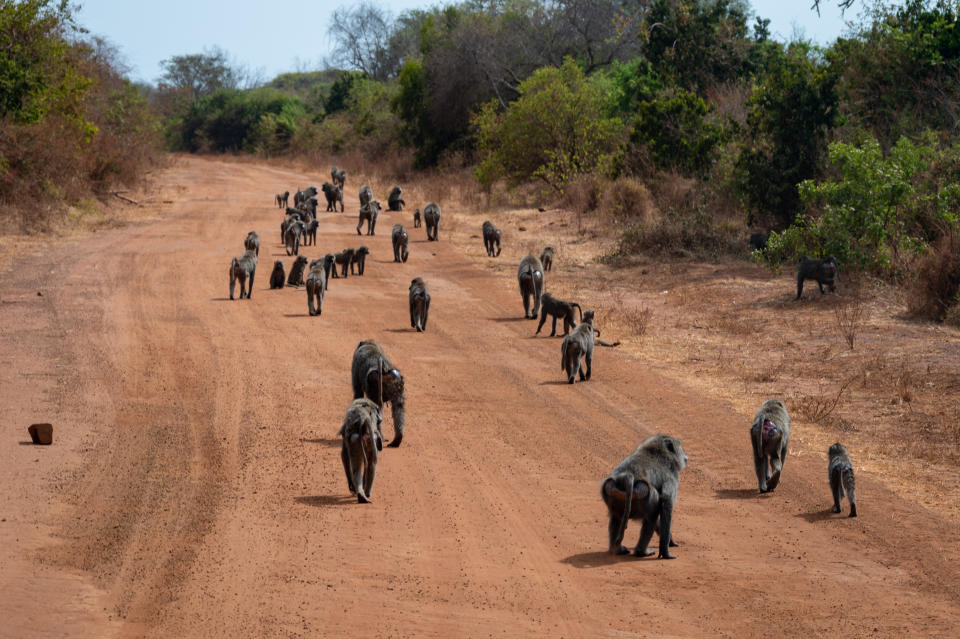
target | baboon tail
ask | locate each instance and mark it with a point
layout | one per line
(627, 505)
(563, 355)
(581, 311)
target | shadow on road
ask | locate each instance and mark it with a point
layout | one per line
(319, 501)
(335, 441)
(556, 383)
(737, 493)
(821, 515)
(298, 315)
(508, 319)
(592, 560)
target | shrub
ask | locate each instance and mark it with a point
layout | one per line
(627, 200)
(937, 285)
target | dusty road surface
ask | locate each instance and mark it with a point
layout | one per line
(194, 488)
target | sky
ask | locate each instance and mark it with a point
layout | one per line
(269, 38)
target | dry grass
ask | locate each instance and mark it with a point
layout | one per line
(850, 312)
(818, 407)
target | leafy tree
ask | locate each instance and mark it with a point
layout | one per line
(198, 75)
(339, 94)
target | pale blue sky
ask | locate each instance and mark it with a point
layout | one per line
(282, 35)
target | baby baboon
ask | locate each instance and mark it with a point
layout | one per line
(644, 486)
(769, 435)
(417, 221)
(491, 237)
(840, 471)
(394, 200)
(824, 271)
(277, 276)
(375, 377)
(530, 277)
(419, 304)
(282, 199)
(316, 286)
(366, 195)
(401, 248)
(759, 240)
(561, 310)
(360, 259)
(333, 194)
(291, 237)
(241, 269)
(578, 344)
(296, 271)
(431, 216)
(310, 233)
(252, 242)
(547, 258)
(369, 212)
(362, 443)
(339, 177)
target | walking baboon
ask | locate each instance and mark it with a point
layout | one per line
(277, 276)
(344, 258)
(401, 248)
(417, 221)
(339, 177)
(366, 195)
(375, 377)
(360, 259)
(291, 237)
(302, 196)
(840, 471)
(431, 217)
(329, 267)
(252, 242)
(369, 212)
(558, 310)
(491, 238)
(296, 271)
(769, 435)
(309, 206)
(282, 199)
(530, 277)
(362, 443)
(419, 304)
(293, 215)
(824, 271)
(241, 269)
(310, 233)
(394, 200)
(333, 194)
(759, 240)
(644, 486)
(316, 286)
(577, 344)
(547, 258)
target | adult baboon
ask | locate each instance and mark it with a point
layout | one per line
(824, 271)
(644, 486)
(252, 242)
(419, 304)
(366, 195)
(577, 344)
(360, 259)
(282, 199)
(241, 269)
(375, 377)
(344, 258)
(547, 258)
(769, 435)
(302, 196)
(558, 310)
(333, 194)
(394, 200)
(362, 443)
(293, 215)
(417, 220)
(530, 277)
(329, 267)
(310, 233)
(309, 207)
(491, 239)
(840, 471)
(431, 217)
(296, 271)
(759, 240)
(339, 177)
(291, 237)
(369, 212)
(277, 276)
(316, 286)
(401, 249)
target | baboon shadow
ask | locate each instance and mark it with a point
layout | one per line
(737, 493)
(401, 330)
(319, 501)
(298, 315)
(821, 515)
(332, 442)
(28, 442)
(561, 383)
(591, 560)
(222, 299)
(508, 319)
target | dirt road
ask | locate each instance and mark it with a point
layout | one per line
(195, 487)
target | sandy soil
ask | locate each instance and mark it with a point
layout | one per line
(194, 488)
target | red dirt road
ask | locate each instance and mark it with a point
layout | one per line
(194, 488)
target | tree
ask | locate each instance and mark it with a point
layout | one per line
(191, 77)
(361, 37)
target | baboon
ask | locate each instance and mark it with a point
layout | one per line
(547, 258)
(241, 269)
(282, 199)
(366, 195)
(310, 233)
(309, 206)
(558, 310)
(334, 194)
(360, 259)
(394, 200)
(293, 215)
(840, 471)
(362, 443)
(759, 240)
(277, 276)
(530, 276)
(339, 177)
(329, 268)
(491, 238)
(252, 242)
(302, 196)
(824, 271)
(419, 304)
(644, 486)
(291, 237)
(769, 435)
(577, 344)
(431, 216)
(401, 249)
(375, 377)
(344, 258)
(417, 221)
(369, 212)
(316, 286)
(296, 271)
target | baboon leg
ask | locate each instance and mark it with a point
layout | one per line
(758, 462)
(526, 304)
(852, 498)
(642, 549)
(253, 274)
(543, 319)
(233, 285)
(398, 419)
(776, 463)
(666, 518)
(799, 287)
(370, 472)
(359, 226)
(426, 313)
(589, 359)
(553, 328)
(580, 368)
(615, 546)
(345, 458)
(356, 467)
(835, 489)
(568, 325)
